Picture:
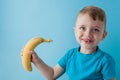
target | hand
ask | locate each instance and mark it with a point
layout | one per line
(34, 56)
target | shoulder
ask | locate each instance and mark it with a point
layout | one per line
(71, 51)
(107, 59)
(108, 66)
(69, 54)
(64, 60)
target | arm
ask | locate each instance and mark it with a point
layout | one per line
(111, 79)
(108, 68)
(47, 71)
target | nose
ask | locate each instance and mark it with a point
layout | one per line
(88, 34)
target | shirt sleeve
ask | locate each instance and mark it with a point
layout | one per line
(108, 68)
(62, 61)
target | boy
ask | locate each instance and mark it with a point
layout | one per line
(86, 62)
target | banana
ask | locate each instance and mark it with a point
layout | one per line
(31, 44)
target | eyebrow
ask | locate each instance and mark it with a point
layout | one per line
(97, 26)
(79, 25)
(84, 25)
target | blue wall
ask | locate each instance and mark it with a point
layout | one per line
(21, 20)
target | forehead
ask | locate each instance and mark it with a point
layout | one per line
(85, 19)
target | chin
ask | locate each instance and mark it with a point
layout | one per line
(88, 46)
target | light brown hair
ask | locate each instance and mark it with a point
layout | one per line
(95, 13)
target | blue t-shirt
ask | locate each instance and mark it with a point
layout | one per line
(94, 66)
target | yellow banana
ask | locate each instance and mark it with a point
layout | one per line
(26, 57)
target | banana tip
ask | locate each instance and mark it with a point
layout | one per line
(48, 40)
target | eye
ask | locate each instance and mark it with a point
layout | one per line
(96, 30)
(82, 28)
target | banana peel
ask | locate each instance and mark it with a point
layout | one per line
(31, 45)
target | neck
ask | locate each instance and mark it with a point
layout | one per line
(88, 50)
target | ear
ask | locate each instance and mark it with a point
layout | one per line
(74, 28)
(104, 35)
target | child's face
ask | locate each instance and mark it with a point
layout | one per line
(89, 32)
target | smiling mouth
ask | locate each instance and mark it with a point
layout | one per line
(88, 41)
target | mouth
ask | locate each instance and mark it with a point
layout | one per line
(88, 41)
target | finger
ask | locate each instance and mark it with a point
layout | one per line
(31, 52)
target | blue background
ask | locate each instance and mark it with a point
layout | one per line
(21, 20)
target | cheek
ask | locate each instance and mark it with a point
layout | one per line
(78, 35)
(101, 37)
(98, 38)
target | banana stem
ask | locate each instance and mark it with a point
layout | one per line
(47, 40)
